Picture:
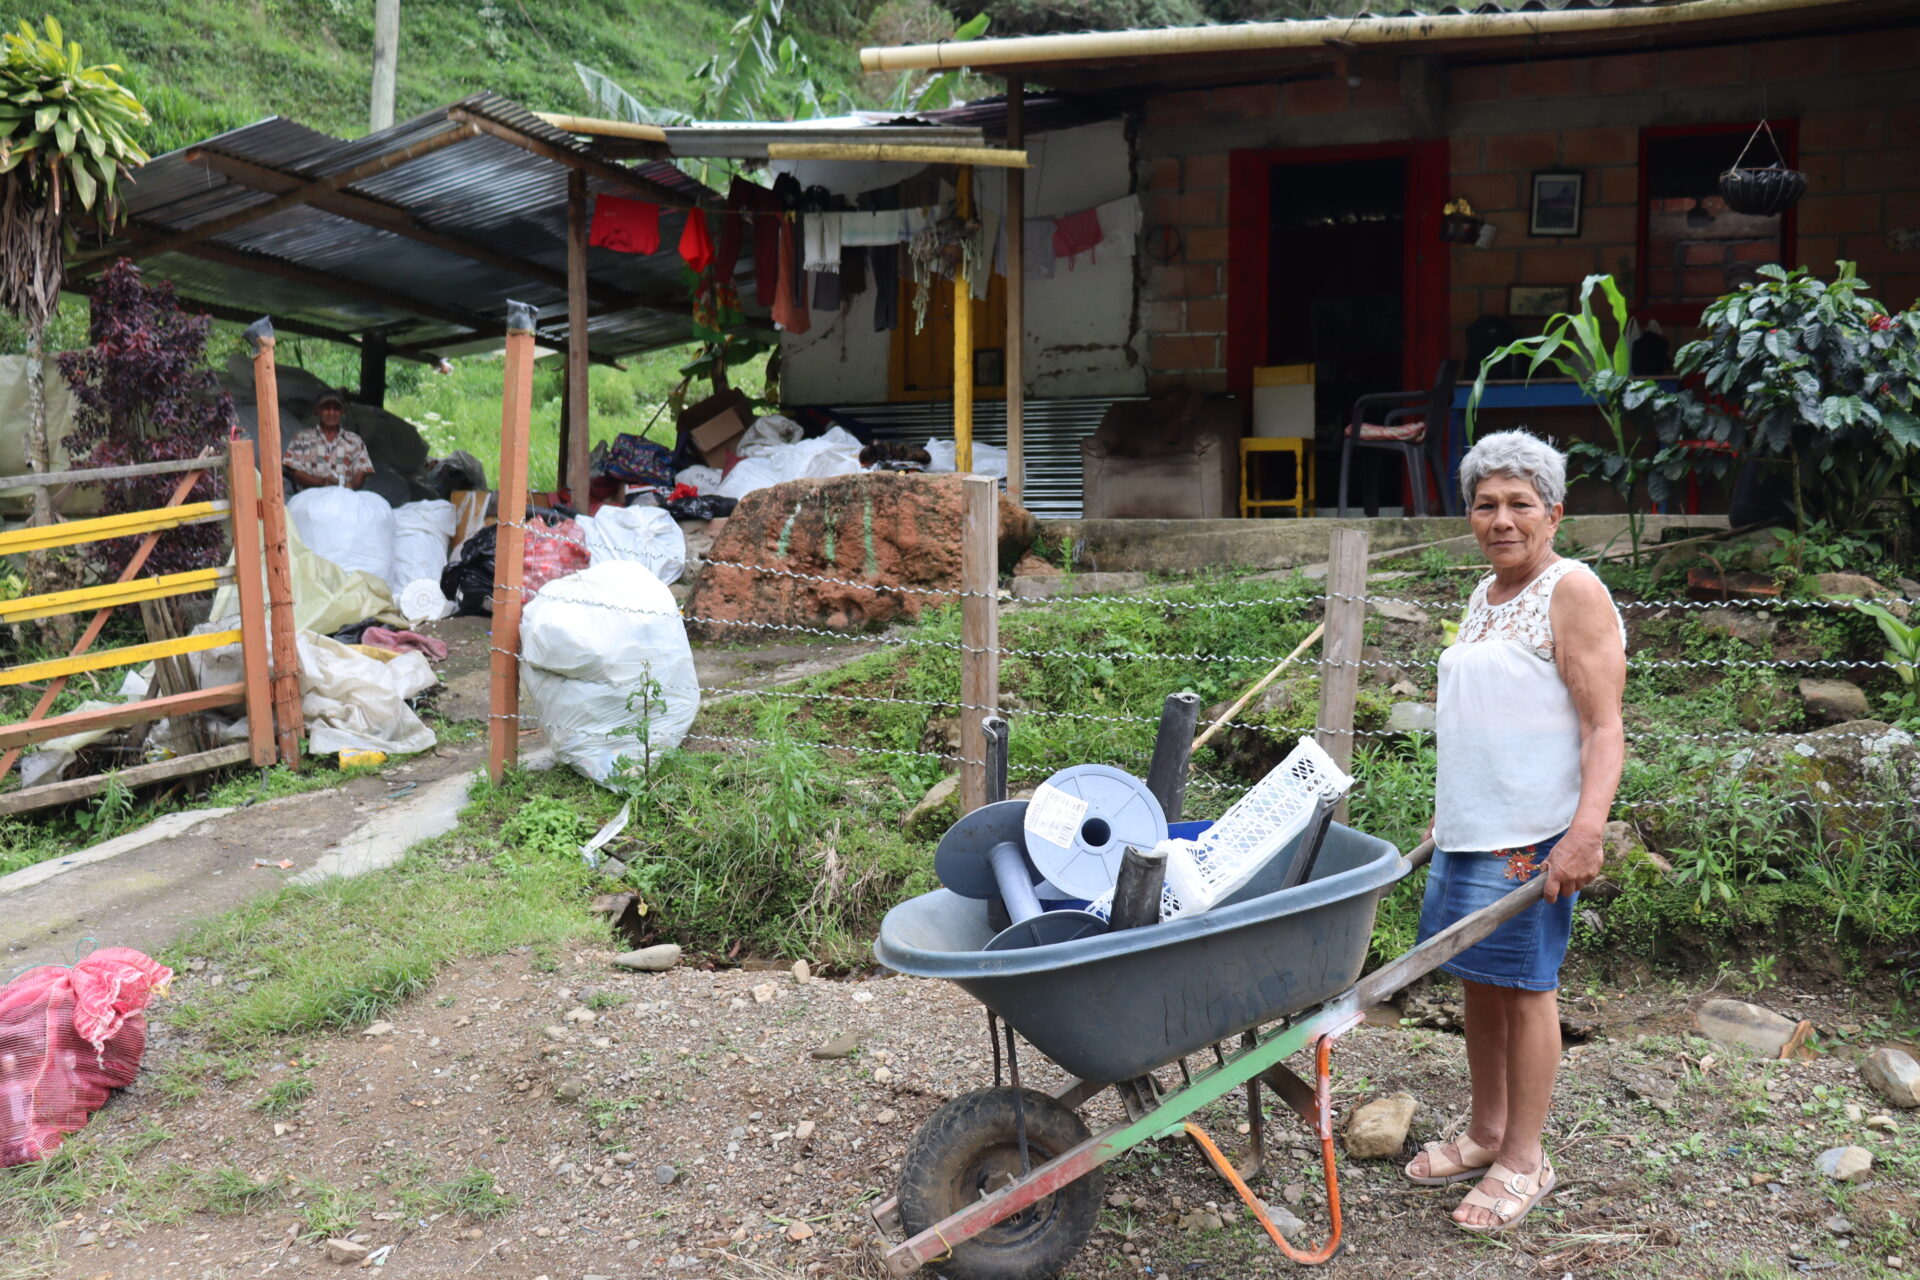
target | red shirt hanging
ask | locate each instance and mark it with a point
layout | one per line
(625, 226)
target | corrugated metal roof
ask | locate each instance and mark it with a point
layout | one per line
(748, 139)
(319, 267)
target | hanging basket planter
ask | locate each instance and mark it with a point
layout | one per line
(1762, 192)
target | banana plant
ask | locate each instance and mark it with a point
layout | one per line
(1903, 640)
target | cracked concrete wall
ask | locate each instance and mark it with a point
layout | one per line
(1082, 330)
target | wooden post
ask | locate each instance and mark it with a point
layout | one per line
(1016, 349)
(288, 723)
(566, 430)
(516, 412)
(963, 341)
(243, 487)
(1346, 615)
(979, 630)
(579, 445)
(386, 63)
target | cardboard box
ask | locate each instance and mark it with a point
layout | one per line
(715, 424)
(1283, 402)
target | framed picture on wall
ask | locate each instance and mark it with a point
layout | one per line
(1539, 299)
(1555, 208)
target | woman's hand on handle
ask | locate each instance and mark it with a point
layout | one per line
(1574, 863)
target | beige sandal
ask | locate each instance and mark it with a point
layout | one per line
(1524, 1190)
(1458, 1169)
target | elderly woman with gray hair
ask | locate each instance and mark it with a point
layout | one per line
(1530, 746)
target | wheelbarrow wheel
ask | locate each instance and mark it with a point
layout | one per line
(970, 1148)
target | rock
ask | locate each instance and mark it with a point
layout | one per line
(655, 959)
(763, 994)
(665, 1175)
(583, 1016)
(1399, 610)
(572, 1089)
(1749, 626)
(891, 528)
(1750, 1027)
(937, 809)
(887, 1116)
(345, 1251)
(1908, 588)
(1411, 717)
(1894, 1075)
(1844, 1164)
(1379, 1128)
(1294, 1192)
(863, 997)
(1855, 760)
(802, 972)
(378, 1029)
(1837, 1224)
(1849, 584)
(844, 1045)
(1833, 700)
(1405, 689)
(799, 1231)
(803, 1130)
(1284, 1222)
(86, 1238)
(558, 1034)
(1882, 1123)
(1032, 566)
(1201, 1220)
(1647, 1085)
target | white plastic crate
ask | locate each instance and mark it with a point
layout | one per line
(1205, 872)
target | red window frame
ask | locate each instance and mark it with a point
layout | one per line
(1684, 313)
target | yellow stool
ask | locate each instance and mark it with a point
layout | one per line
(1252, 501)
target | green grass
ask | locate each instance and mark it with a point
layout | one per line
(285, 1097)
(326, 1210)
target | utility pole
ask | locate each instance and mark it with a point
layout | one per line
(386, 62)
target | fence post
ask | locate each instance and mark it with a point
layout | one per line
(243, 487)
(509, 552)
(979, 631)
(288, 724)
(1339, 676)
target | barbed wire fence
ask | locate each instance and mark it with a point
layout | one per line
(973, 690)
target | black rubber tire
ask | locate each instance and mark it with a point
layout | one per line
(973, 1137)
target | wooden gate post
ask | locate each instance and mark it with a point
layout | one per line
(243, 487)
(510, 542)
(1346, 615)
(979, 631)
(288, 723)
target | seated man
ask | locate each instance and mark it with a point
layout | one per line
(327, 453)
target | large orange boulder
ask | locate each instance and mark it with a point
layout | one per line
(870, 531)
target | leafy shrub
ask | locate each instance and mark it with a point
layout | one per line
(142, 393)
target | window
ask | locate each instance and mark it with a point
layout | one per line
(1693, 248)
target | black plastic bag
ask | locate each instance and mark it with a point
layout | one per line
(707, 506)
(468, 581)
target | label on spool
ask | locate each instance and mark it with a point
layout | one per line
(1054, 815)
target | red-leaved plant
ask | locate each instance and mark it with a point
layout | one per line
(142, 393)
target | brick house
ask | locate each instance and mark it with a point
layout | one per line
(1293, 174)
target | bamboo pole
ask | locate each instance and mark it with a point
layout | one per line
(898, 153)
(979, 630)
(579, 401)
(963, 339)
(516, 412)
(1257, 686)
(596, 128)
(288, 723)
(1016, 353)
(243, 488)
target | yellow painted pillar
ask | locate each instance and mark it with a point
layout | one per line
(963, 339)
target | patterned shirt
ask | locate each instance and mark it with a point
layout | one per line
(338, 460)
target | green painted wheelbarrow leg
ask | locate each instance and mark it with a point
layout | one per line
(1265, 1053)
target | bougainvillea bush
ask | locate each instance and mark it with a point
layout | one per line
(143, 393)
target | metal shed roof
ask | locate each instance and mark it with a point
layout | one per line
(417, 234)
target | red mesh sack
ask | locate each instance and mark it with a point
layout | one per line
(551, 553)
(67, 1038)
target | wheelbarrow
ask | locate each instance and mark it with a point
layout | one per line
(1007, 1183)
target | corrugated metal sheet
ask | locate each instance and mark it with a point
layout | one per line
(748, 139)
(483, 189)
(1051, 432)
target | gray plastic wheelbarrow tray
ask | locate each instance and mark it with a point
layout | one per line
(1115, 1006)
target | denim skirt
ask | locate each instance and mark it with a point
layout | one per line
(1524, 952)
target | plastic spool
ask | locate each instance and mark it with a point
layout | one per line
(421, 601)
(966, 862)
(1079, 824)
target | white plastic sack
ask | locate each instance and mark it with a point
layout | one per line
(833, 453)
(768, 434)
(350, 527)
(422, 534)
(591, 643)
(353, 702)
(703, 479)
(749, 474)
(988, 460)
(645, 535)
(325, 596)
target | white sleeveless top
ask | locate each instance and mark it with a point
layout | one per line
(1507, 734)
